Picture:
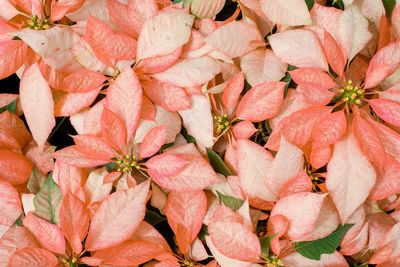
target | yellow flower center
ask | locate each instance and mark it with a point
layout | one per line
(70, 262)
(36, 24)
(188, 263)
(273, 261)
(127, 163)
(221, 123)
(315, 180)
(352, 94)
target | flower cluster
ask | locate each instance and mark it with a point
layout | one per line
(205, 133)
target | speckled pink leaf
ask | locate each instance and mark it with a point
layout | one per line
(117, 218)
(124, 98)
(37, 104)
(48, 235)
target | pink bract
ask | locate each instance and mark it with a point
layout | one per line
(190, 133)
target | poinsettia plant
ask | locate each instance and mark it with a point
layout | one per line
(231, 133)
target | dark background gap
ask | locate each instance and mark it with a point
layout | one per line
(59, 138)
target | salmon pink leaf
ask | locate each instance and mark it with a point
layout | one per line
(16, 238)
(234, 240)
(235, 39)
(32, 256)
(198, 120)
(253, 167)
(262, 102)
(290, 13)
(206, 8)
(117, 46)
(37, 104)
(128, 253)
(195, 175)
(72, 156)
(386, 109)
(170, 97)
(164, 165)
(322, 217)
(117, 217)
(13, 54)
(300, 48)
(14, 167)
(93, 147)
(262, 65)
(334, 54)
(164, 33)
(113, 129)
(383, 64)
(124, 98)
(352, 31)
(233, 90)
(48, 235)
(74, 221)
(186, 210)
(312, 77)
(10, 203)
(190, 72)
(350, 177)
(82, 81)
(153, 141)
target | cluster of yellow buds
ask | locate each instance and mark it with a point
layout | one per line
(352, 94)
(221, 123)
(36, 24)
(127, 163)
(188, 263)
(273, 261)
(116, 73)
(314, 179)
(70, 262)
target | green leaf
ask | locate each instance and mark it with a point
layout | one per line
(217, 163)
(229, 201)
(265, 242)
(338, 3)
(310, 4)
(360, 265)
(288, 79)
(188, 137)
(48, 200)
(110, 166)
(247, 87)
(153, 217)
(268, 127)
(203, 232)
(327, 245)
(36, 181)
(19, 220)
(186, 3)
(166, 146)
(11, 107)
(389, 6)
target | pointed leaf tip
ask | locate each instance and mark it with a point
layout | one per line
(327, 245)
